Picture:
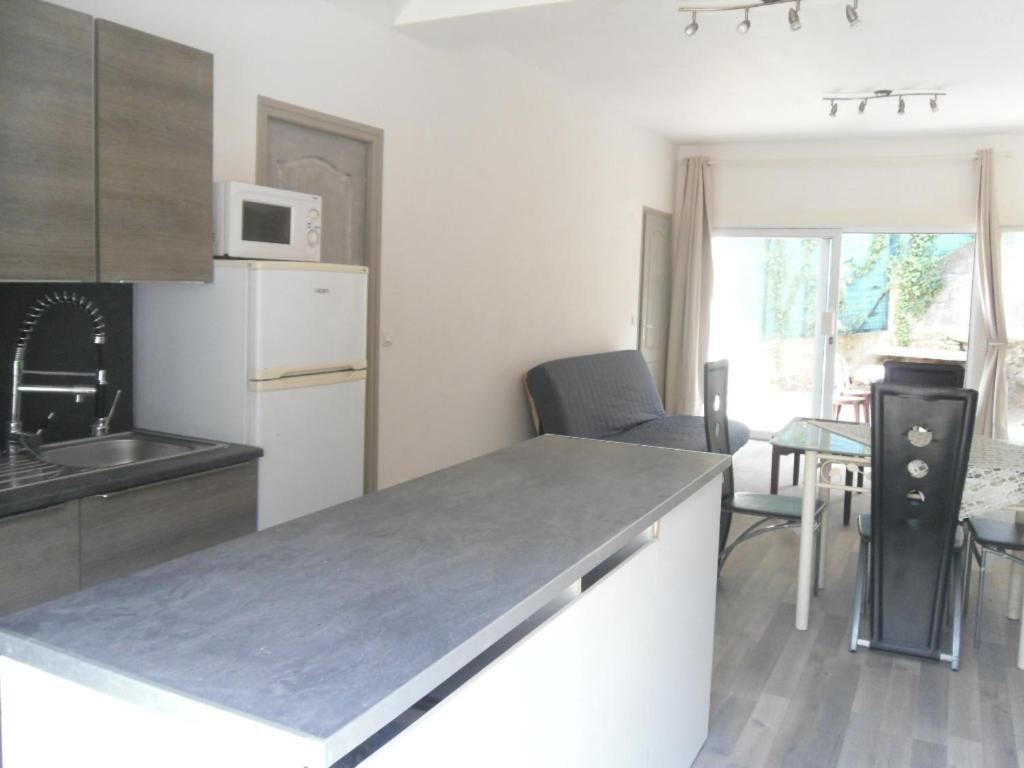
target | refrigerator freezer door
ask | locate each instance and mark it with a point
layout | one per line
(306, 320)
(311, 432)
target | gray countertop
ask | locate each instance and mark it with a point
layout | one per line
(332, 625)
(78, 484)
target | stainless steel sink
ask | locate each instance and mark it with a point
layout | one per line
(118, 449)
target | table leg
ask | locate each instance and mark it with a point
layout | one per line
(1013, 610)
(805, 571)
(826, 496)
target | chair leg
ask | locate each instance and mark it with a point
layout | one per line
(723, 532)
(858, 594)
(981, 598)
(817, 555)
(847, 497)
(774, 487)
(958, 607)
(968, 566)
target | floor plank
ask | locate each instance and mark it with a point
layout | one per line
(786, 698)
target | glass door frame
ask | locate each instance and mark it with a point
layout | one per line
(825, 325)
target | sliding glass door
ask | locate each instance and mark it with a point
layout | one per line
(771, 318)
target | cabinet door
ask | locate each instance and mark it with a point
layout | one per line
(38, 556)
(154, 133)
(129, 530)
(47, 181)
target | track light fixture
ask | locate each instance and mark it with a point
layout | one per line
(852, 15)
(744, 26)
(901, 97)
(692, 27)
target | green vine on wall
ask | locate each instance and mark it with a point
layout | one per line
(916, 274)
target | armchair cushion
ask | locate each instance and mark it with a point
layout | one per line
(686, 432)
(612, 396)
(594, 395)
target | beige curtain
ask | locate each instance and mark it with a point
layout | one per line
(690, 314)
(991, 419)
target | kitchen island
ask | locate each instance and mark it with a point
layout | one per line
(550, 604)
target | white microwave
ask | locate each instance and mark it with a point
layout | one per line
(254, 222)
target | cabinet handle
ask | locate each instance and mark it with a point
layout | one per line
(158, 483)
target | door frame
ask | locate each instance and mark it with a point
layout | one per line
(828, 299)
(270, 109)
(643, 263)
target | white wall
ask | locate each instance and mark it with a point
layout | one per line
(512, 210)
(876, 184)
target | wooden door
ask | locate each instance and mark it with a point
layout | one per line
(154, 131)
(656, 293)
(343, 162)
(47, 182)
(307, 158)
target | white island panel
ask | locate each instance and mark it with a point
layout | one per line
(620, 677)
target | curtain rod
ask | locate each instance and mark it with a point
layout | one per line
(852, 160)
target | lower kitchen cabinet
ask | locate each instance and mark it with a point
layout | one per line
(38, 556)
(129, 530)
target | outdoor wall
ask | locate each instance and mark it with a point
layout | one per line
(512, 209)
(880, 184)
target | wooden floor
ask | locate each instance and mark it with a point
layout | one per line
(786, 698)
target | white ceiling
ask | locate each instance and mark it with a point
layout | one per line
(632, 56)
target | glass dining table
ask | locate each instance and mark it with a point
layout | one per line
(995, 487)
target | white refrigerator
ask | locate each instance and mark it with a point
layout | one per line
(271, 354)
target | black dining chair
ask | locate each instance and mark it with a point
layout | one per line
(914, 375)
(998, 538)
(912, 543)
(924, 374)
(773, 512)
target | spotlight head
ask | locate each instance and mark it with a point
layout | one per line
(794, 19)
(902, 109)
(744, 26)
(851, 14)
(862, 106)
(692, 27)
(834, 110)
(933, 102)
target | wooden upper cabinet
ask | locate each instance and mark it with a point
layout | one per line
(47, 181)
(154, 139)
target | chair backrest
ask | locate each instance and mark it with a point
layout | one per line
(920, 445)
(716, 418)
(594, 395)
(924, 374)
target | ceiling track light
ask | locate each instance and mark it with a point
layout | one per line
(692, 27)
(852, 14)
(794, 17)
(901, 97)
(744, 26)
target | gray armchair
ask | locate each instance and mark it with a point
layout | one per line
(612, 396)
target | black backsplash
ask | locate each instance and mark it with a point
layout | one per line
(63, 341)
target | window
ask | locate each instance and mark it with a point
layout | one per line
(1013, 304)
(903, 297)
